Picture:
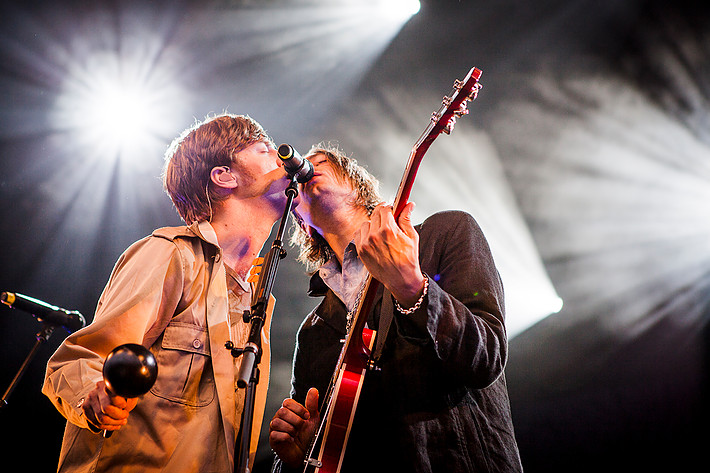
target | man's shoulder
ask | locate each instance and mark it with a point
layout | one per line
(450, 226)
(448, 219)
(161, 243)
(449, 215)
(173, 233)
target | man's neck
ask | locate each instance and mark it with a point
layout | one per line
(341, 226)
(241, 233)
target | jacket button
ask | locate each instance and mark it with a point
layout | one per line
(196, 343)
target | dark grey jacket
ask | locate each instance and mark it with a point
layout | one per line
(440, 402)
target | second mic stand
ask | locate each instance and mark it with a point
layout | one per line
(251, 353)
(41, 337)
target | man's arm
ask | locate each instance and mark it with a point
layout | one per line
(145, 286)
(462, 314)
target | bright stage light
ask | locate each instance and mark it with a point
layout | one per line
(117, 115)
(118, 107)
(119, 111)
(399, 8)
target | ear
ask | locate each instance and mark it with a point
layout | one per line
(223, 177)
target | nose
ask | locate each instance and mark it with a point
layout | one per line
(275, 156)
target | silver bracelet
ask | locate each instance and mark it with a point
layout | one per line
(411, 310)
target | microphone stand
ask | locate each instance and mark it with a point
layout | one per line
(251, 353)
(42, 336)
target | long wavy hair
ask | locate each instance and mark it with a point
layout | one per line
(314, 249)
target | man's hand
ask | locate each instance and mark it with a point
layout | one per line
(107, 412)
(292, 428)
(390, 252)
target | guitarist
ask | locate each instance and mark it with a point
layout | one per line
(438, 402)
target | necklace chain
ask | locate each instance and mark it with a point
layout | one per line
(351, 312)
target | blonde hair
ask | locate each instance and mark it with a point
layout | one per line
(314, 249)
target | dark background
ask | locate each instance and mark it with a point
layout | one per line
(586, 160)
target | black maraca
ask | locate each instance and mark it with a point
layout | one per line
(129, 371)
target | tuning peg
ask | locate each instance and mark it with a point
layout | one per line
(449, 126)
(474, 91)
(463, 109)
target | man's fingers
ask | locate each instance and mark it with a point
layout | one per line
(376, 217)
(294, 407)
(293, 416)
(116, 413)
(105, 421)
(290, 417)
(105, 411)
(281, 426)
(405, 220)
(279, 437)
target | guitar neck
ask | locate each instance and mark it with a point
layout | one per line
(405, 185)
(442, 121)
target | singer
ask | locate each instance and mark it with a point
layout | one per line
(439, 401)
(180, 292)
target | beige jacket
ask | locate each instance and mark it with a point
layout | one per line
(167, 292)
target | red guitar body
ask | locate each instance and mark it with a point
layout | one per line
(346, 384)
(344, 401)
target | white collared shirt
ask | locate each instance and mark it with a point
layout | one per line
(347, 280)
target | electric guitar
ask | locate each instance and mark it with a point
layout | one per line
(343, 393)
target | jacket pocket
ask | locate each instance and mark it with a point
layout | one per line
(185, 372)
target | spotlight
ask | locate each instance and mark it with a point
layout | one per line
(117, 106)
(118, 112)
(398, 9)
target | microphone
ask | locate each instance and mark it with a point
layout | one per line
(294, 164)
(71, 320)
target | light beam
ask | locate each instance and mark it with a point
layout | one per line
(119, 106)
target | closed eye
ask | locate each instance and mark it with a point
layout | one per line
(264, 147)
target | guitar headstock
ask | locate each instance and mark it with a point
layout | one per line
(442, 121)
(456, 106)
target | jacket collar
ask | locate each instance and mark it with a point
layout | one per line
(317, 287)
(205, 231)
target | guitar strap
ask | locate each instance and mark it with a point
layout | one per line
(386, 316)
